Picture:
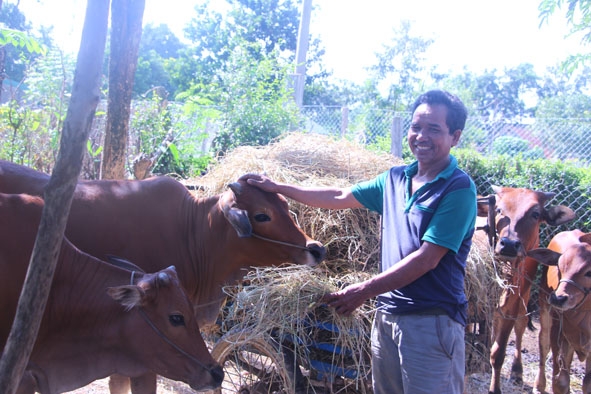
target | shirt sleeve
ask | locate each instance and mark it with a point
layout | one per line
(453, 220)
(370, 193)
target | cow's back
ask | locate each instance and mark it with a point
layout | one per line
(15, 179)
(136, 220)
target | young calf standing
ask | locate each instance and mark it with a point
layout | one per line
(565, 308)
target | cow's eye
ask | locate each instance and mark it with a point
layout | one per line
(177, 320)
(588, 274)
(261, 217)
(535, 215)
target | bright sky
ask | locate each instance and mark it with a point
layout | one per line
(478, 34)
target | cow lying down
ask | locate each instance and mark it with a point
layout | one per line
(100, 319)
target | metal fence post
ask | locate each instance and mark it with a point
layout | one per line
(344, 121)
(396, 134)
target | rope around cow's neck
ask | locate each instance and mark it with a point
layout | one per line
(278, 242)
(164, 337)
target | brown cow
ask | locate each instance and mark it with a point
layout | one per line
(519, 212)
(211, 240)
(99, 319)
(565, 318)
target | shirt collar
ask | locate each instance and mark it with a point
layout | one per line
(413, 168)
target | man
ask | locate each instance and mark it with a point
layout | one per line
(428, 211)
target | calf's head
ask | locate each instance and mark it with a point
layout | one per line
(573, 271)
(164, 331)
(518, 214)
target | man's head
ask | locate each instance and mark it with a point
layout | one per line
(456, 111)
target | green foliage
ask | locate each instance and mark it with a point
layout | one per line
(19, 39)
(176, 136)
(578, 17)
(570, 183)
(256, 106)
(32, 126)
(159, 49)
(514, 146)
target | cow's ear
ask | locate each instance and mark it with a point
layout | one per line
(559, 214)
(585, 238)
(238, 218)
(544, 256)
(129, 296)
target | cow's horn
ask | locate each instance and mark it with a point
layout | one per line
(164, 278)
(236, 188)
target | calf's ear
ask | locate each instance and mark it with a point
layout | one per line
(559, 214)
(129, 296)
(544, 256)
(238, 218)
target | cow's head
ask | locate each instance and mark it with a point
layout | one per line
(165, 331)
(574, 272)
(518, 214)
(264, 221)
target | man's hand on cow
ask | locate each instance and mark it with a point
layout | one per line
(345, 301)
(263, 182)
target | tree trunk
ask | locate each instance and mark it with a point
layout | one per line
(126, 33)
(58, 197)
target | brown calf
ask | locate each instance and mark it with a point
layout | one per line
(519, 212)
(565, 308)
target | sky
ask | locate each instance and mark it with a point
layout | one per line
(476, 34)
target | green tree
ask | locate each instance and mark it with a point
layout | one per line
(401, 68)
(256, 106)
(13, 56)
(578, 16)
(159, 47)
(215, 32)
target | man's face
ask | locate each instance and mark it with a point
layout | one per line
(428, 136)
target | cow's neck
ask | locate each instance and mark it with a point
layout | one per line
(211, 261)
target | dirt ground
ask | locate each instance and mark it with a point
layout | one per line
(475, 383)
(479, 383)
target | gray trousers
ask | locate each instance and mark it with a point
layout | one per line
(415, 354)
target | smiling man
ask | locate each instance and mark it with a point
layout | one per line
(428, 213)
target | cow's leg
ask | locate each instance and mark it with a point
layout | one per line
(144, 384)
(543, 343)
(119, 384)
(501, 330)
(520, 326)
(561, 366)
(526, 278)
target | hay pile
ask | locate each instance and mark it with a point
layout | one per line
(285, 303)
(352, 238)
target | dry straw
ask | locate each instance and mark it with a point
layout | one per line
(352, 236)
(286, 303)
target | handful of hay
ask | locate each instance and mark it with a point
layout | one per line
(285, 303)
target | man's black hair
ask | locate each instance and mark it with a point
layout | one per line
(456, 110)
